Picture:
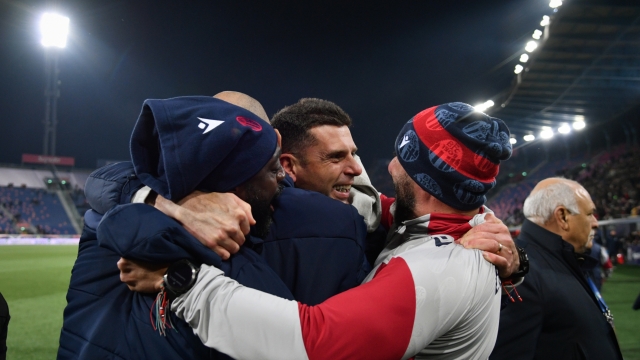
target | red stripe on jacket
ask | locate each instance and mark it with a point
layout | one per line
(372, 321)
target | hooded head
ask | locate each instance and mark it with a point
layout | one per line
(201, 143)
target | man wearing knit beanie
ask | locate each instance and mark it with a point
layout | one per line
(178, 146)
(426, 295)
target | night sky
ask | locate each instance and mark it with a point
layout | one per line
(382, 62)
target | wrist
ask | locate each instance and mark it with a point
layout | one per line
(180, 277)
(518, 276)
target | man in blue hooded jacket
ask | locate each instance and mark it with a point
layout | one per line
(178, 145)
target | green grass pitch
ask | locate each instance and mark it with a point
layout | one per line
(34, 281)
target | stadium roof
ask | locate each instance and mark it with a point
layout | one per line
(586, 67)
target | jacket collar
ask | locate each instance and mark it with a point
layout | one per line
(554, 246)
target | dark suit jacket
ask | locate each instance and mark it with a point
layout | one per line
(559, 317)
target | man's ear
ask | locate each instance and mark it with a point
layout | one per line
(279, 138)
(290, 164)
(560, 215)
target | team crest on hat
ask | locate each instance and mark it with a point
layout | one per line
(408, 147)
(460, 106)
(450, 158)
(445, 117)
(469, 191)
(427, 182)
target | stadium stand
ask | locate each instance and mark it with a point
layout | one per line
(41, 201)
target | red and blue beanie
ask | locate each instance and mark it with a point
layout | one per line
(453, 152)
(201, 143)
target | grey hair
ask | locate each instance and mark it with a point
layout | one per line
(540, 205)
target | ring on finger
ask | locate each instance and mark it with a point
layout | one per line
(499, 248)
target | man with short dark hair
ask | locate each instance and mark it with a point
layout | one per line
(317, 149)
(563, 315)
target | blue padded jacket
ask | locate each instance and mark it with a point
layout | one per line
(103, 319)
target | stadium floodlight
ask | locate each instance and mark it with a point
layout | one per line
(54, 29)
(513, 141)
(524, 58)
(518, 69)
(545, 20)
(554, 4)
(537, 34)
(531, 45)
(528, 137)
(579, 125)
(564, 129)
(484, 106)
(546, 133)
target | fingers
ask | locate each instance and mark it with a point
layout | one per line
(248, 216)
(500, 263)
(490, 218)
(227, 247)
(486, 241)
(220, 221)
(141, 277)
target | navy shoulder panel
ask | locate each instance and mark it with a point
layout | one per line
(141, 232)
(111, 185)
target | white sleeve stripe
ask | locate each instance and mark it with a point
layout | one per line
(241, 322)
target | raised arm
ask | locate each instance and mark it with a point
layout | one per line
(372, 321)
(218, 220)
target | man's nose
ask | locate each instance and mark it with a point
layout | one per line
(353, 167)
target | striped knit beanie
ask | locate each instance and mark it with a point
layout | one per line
(453, 152)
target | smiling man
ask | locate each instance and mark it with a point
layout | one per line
(317, 149)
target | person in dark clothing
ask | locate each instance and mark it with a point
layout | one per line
(178, 146)
(596, 262)
(561, 316)
(4, 326)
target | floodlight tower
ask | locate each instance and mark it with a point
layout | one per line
(54, 29)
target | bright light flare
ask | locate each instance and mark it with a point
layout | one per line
(554, 4)
(484, 106)
(529, 137)
(545, 20)
(54, 29)
(579, 125)
(518, 69)
(531, 45)
(513, 141)
(546, 133)
(524, 58)
(537, 34)
(564, 129)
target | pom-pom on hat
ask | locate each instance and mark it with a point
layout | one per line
(201, 143)
(453, 152)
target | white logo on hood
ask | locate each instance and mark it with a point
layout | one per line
(208, 124)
